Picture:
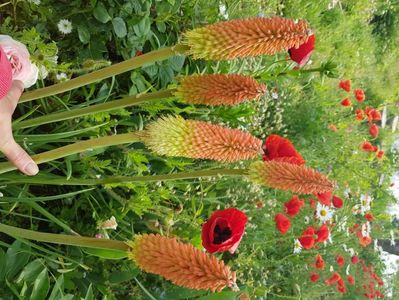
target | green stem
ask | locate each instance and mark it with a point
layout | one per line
(75, 148)
(108, 106)
(53, 180)
(130, 64)
(64, 239)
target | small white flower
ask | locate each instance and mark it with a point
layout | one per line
(306, 220)
(109, 224)
(331, 269)
(62, 77)
(356, 209)
(323, 212)
(297, 246)
(351, 251)
(348, 268)
(366, 229)
(42, 72)
(64, 26)
(365, 201)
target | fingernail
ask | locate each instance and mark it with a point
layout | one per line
(31, 169)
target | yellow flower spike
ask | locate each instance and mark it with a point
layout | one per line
(180, 263)
(246, 37)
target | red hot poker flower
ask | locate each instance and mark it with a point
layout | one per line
(281, 149)
(359, 95)
(346, 102)
(337, 202)
(332, 279)
(283, 224)
(324, 198)
(293, 206)
(350, 279)
(319, 264)
(340, 260)
(373, 130)
(224, 230)
(345, 85)
(369, 216)
(314, 277)
(307, 239)
(301, 55)
(322, 234)
(368, 147)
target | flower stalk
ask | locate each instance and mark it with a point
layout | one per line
(130, 64)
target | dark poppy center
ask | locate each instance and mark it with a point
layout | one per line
(221, 234)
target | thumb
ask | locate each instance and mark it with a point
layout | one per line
(18, 157)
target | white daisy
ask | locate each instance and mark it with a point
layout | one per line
(64, 26)
(62, 77)
(297, 246)
(323, 212)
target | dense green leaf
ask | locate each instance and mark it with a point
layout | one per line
(119, 27)
(17, 257)
(41, 286)
(101, 13)
(84, 34)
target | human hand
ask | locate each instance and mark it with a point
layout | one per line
(15, 154)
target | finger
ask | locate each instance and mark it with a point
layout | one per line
(16, 90)
(18, 157)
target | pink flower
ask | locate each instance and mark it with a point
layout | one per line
(5, 74)
(19, 58)
(302, 54)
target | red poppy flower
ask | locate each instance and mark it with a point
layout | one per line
(364, 241)
(322, 234)
(324, 198)
(332, 279)
(359, 114)
(302, 54)
(293, 206)
(282, 223)
(341, 286)
(5, 74)
(354, 259)
(281, 149)
(373, 130)
(314, 277)
(368, 147)
(380, 154)
(346, 102)
(369, 217)
(340, 260)
(372, 114)
(307, 239)
(350, 279)
(224, 230)
(359, 95)
(319, 264)
(345, 85)
(337, 202)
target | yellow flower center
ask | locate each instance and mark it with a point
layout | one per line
(323, 213)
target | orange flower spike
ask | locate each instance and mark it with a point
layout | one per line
(182, 264)
(286, 176)
(246, 37)
(174, 136)
(219, 89)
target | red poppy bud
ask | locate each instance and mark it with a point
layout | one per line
(373, 130)
(324, 198)
(139, 52)
(337, 202)
(359, 95)
(359, 114)
(319, 264)
(345, 85)
(312, 203)
(368, 147)
(332, 279)
(380, 154)
(282, 223)
(307, 239)
(355, 259)
(293, 206)
(346, 102)
(281, 149)
(224, 230)
(302, 54)
(314, 277)
(340, 260)
(322, 234)
(350, 279)
(369, 217)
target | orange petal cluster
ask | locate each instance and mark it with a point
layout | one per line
(246, 37)
(182, 264)
(219, 89)
(174, 136)
(285, 176)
